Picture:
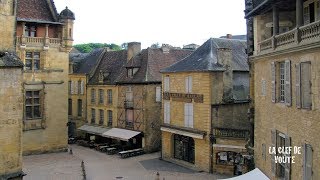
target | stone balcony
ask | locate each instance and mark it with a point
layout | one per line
(304, 36)
(39, 41)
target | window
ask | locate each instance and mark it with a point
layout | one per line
(166, 112)
(101, 113)
(158, 94)
(129, 118)
(307, 162)
(101, 96)
(188, 84)
(279, 139)
(281, 82)
(79, 107)
(130, 72)
(184, 148)
(70, 107)
(75, 87)
(303, 85)
(110, 118)
(93, 116)
(166, 83)
(93, 96)
(188, 115)
(228, 158)
(30, 31)
(32, 61)
(109, 92)
(309, 13)
(33, 107)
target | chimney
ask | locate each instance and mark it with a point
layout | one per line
(225, 59)
(229, 36)
(133, 49)
(166, 48)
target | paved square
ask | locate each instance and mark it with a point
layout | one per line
(100, 166)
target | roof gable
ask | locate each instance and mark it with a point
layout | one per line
(37, 10)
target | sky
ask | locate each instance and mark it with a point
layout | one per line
(174, 22)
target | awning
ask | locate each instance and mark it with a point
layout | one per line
(252, 175)
(121, 134)
(97, 130)
(229, 148)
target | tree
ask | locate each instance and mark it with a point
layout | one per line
(88, 47)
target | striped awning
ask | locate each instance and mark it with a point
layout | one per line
(96, 130)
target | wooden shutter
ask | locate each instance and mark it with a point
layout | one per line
(287, 78)
(186, 84)
(82, 87)
(307, 162)
(273, 144)
(190, 115)
(305, 79)
(186, 117)
(166, 112)
(158, 94)
(273, 82)
(287, 165)
(298, 85)
(190, 84)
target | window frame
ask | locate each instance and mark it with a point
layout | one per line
(93, 115)
(110, 117)
(33, 104)
(32, 60)
(188, 115)
(80, 108)
(30, 30)
(101, 96)
(109, 94)
(93, 96)
(101, 116)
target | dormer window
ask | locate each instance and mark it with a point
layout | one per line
(30, 31)
(103, 76)
(131, 72)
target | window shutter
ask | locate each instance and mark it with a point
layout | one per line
(287, 79)
(288, 144)
(158, 94)
(298, 85)
(82, 88)
(273, 144)
(273, 82)
(187, 84)
(76, 87)
(305, 79)
(190, 115)
(308, 163)
(186, 118)
(166, 84)
(190, 84)
(168, 112)
(72, 87)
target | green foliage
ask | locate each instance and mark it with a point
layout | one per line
(88, 47)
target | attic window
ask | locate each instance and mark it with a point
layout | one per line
(103, 76)
(131, 72)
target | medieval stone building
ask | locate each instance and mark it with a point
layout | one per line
(205, 102)
(43, 41)
(285, 85)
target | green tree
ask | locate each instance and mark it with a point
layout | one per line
(88, 47)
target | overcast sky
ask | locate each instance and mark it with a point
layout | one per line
(175, 22)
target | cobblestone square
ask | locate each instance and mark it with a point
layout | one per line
(100, 166)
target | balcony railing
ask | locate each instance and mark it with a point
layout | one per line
(39, 41)
(307, 34)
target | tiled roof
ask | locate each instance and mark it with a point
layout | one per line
(85, 62)
(113, 63)
(37, 10)
(205, 58)
(150, 61)
(9, 60)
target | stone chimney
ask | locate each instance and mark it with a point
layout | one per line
(229, 36)
(133, 49)
(225, 59)
(166, 48)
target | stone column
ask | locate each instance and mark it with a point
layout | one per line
(275, 20)
(299, 13)
(47, 30)
(23, 39)
(46, 39)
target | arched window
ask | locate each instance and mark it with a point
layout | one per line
(184, 148)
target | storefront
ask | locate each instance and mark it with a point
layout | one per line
(184, 148)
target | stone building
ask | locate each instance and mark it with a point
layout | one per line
(81, 69)
(11, 97)
(205, 102)
(285, 70)
(102, 94)
(139, 94)
(44, 39)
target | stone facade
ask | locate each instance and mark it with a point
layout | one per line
(7, 26)
(286, 112)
